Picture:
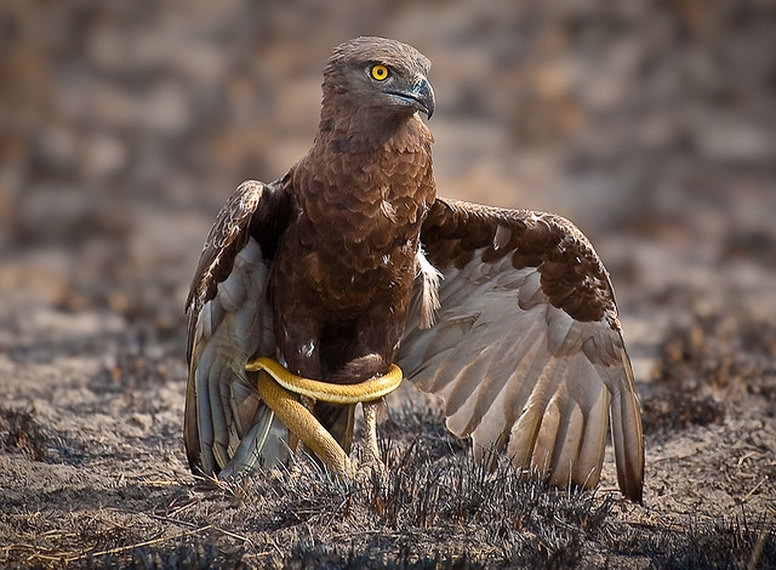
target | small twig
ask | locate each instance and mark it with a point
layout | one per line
(120, 549)
(162, 482)
(170, 520)
(754, 489)
(745, 456)
(147, 542)
(677, 457)
(244, 539)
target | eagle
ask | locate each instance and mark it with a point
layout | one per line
(350, 263)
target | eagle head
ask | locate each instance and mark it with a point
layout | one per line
(378, 74)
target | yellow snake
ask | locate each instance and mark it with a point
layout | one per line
(278, 386)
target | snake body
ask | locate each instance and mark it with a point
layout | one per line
(278, 387)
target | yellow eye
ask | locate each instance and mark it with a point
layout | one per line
(379, 72)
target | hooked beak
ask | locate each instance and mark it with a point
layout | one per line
(420, 97)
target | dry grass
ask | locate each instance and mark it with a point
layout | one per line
(432, 507)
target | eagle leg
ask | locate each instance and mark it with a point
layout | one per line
(370, 434)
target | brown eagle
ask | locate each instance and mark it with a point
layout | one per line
(350, 262)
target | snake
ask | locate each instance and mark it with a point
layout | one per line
(278, 388)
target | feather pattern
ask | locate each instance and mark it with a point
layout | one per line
(230, 321)
(527, 352)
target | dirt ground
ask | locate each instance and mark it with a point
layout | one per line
(124, 126)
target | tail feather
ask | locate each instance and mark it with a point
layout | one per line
(263, 446)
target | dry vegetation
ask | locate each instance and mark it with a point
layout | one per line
(123, 127)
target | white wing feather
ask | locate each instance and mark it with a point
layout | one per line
(522, 377)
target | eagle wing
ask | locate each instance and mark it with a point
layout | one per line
(527, 352)
(230, 321)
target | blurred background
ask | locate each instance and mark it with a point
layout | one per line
(125, 125)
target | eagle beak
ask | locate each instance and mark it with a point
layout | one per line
(423, 94)
(420, 96)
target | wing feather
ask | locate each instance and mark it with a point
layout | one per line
(527, 351)
(229, 322)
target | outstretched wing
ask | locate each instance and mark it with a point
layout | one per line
(527, 352)
(229, 321)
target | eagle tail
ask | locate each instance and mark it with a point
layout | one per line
(263, 446)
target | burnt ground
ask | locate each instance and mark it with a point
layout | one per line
(123, 127)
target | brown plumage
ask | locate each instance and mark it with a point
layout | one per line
(324, 270)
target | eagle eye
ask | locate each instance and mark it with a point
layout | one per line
(379, 72)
